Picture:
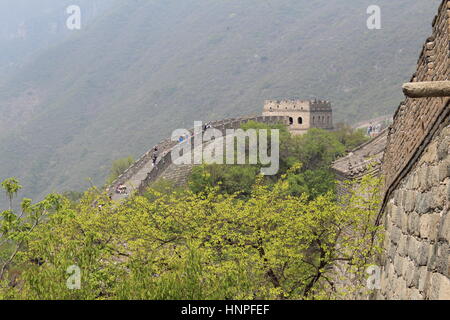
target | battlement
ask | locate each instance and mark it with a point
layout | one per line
(302, 114)
(297, 105)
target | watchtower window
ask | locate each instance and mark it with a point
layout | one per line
(300, 120)
(291, 121)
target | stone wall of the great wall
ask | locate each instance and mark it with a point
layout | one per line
(416, 167)
(416, 118)
(178, 174)
(417, 222)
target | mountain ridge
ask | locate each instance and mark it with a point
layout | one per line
(145, 68)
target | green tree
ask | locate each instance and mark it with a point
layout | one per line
(206, 245)
(118, 167)
(11, 187)
(312, 183)
(317, 149)
(232, 179)
(15, 229)
(73, 196)
(349, 137)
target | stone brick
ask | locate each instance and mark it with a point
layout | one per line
(409, 184)
(398, 265)
(423, 254)
(404, 226)
(444, 146)
(448, 192)
(438, 197)
(429, 226)
(402, 245)
(414, 224)
(423, 203)
(439, 288)
(391, 251)
(410, 201)
(424, 173)
(444, 232)
(396, 233)
(411, 274)
(415, 295)
(423, 279)
(444, 170)
(435, 286)
(439, 258)
(397, 215)
(416, 180)
(413, 247)
(444, 289)
(430, 154)
(433, 176)
(400, 289)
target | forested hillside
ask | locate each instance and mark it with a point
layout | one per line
(229, 233)
(28, 27)
(143, 68)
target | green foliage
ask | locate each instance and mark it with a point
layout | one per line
(231, 178)
(316, 150)
(11, 187)
(312, 183)
(349, 137)
(16, 229)
(187, 245)
(162, 186)
(118, 167)
(73, 196)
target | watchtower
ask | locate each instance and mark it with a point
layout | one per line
(303, 114)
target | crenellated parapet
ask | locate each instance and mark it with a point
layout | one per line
(297, 105)
(303, 114)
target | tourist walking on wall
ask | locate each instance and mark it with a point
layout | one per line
(154, 158)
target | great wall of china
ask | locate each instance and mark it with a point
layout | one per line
(142, 173)
(414, 158)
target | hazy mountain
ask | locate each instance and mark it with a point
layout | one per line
(74, 101)
(26, 27)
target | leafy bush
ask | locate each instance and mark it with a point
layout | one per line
(187, 245)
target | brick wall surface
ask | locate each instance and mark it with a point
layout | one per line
(417, 222)
(415, 118)
(416, 167)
